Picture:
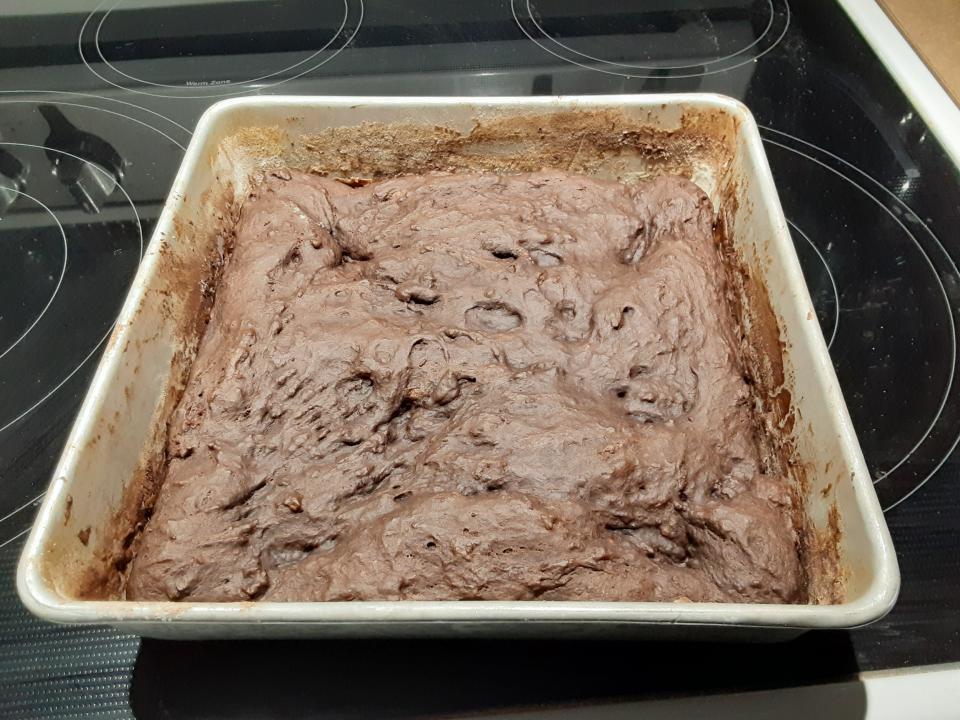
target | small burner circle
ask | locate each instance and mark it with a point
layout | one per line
(92, 29)
(547, 34)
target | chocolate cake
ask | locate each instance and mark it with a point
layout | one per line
(470, 387)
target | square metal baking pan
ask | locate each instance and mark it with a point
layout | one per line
(712, 139)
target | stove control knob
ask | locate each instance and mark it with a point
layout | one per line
(87, 165)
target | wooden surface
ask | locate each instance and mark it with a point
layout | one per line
(933, 28)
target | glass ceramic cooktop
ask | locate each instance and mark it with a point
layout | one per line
(97, 104)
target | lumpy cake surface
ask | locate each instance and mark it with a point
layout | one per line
(470, 387)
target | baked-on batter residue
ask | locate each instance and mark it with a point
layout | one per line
(470, 387)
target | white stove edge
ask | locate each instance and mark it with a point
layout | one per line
(909, 71)
(919, 692)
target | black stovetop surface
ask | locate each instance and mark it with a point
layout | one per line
(96, 107)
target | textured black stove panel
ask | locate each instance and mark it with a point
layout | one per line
(96, 109)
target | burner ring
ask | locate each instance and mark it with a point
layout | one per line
(346, 31)
(29, 503)
(109, 112)
(31, 96)
(19, 504)
(136, 216)
(543, 39)
(833, 284)
(117, 3)
(63, 268)
(906, 212)
(638, 66)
